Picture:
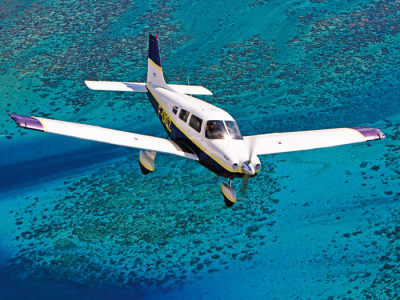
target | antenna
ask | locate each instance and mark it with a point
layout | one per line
(188, 84)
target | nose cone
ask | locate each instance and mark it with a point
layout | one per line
(248, 168)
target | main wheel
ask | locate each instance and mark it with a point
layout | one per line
(146, 161)
(229, 194)
(143, 169)
(228, 202)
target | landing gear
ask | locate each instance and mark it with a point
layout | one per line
(229, 193)
(144, 170)
(146, 161)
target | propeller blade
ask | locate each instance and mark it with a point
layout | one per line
(251, 148)
(246, 177)
(245, 182)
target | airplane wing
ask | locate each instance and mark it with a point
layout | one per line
(100, 134)
(312, 139)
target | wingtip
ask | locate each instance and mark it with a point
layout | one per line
(89, 84)
(12, 116)
(370, 133)
(27, 122)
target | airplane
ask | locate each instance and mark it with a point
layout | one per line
(196, 130)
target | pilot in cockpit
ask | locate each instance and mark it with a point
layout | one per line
(215, 130)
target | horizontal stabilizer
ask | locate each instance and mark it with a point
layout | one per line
(139, 87)
(190, 89)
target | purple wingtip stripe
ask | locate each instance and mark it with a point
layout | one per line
(27, 122)
(370, 133)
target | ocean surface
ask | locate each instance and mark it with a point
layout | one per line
(78, 220)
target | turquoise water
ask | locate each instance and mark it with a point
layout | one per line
(79, 220)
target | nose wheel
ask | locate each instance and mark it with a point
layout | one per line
(229, 193)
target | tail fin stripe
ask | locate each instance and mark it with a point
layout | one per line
(154, 64)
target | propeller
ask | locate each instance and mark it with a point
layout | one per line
(245, 182)
(247, 168)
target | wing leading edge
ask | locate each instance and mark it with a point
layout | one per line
(306, 140)
(100, 134)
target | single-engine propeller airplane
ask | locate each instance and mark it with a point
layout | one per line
(197, 130)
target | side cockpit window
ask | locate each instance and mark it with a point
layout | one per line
(175, 109)
(216, 130)
(195, 122)
(183, 115)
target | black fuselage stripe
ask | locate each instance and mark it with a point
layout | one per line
(179, 137)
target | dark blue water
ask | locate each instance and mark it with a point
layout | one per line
(78, 220)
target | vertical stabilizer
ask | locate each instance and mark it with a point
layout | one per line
(154, 70)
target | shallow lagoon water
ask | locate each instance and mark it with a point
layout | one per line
(78, 218)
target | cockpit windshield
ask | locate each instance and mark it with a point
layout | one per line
(222, 130)
(233, 130)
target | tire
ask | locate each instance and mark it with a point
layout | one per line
(143, 169)
(228, 202)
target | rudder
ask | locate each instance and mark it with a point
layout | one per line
(154, 70)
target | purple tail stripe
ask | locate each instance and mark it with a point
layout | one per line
(27, 122)
(370, 133)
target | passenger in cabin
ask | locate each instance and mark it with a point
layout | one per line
(184, 114)
(209, 128)
(195, 122)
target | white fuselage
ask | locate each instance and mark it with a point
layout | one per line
(225, 156)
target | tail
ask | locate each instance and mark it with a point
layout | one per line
(154, 70)
(155, 77)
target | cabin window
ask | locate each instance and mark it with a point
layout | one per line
(233, 130)
(195, 122)
(216, 130)
(175, 109)
(183, 115)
